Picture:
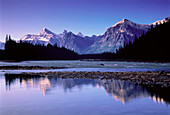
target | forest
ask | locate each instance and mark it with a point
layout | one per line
(27, 51)
(154, 45)
(151, 46)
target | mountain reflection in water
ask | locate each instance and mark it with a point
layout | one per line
(121, 90)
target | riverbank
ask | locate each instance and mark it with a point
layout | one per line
(126, 60)
(149, 79)
(29, 68)
(111, 60)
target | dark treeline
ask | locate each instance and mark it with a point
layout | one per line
(28, 51)
(153, 46)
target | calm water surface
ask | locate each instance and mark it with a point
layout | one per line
(48, 95)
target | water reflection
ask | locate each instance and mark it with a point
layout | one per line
(121, 90)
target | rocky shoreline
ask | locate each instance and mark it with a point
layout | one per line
(28, 68)
(149, 79)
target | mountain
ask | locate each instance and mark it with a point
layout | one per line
(113, 38)
(161, 21)
(80, 34)
(116, 35)
(153, 46)
(2, 46)
(66, 39)
(77, 43)
(44, 37)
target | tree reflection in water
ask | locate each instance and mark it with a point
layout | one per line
(121, 90)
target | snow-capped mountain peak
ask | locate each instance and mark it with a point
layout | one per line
(45, 31)
(122, 22)
(118, 34)
(125, 20)
(114, 38)
(65, 31)
(62, 34)
(80, 34)
(161, 21)
(167, 18)
(44, 37)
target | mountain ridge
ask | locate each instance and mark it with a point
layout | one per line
(118, 34)
(111, 40)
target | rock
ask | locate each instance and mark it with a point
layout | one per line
(102, 64)
(137, 77)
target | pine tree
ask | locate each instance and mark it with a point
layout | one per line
(151, 26)
(6, 38)
(10, 38)
(55, 45)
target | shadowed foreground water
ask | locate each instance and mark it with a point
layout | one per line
(32, 95)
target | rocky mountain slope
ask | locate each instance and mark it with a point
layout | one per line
(113, 38)
(2, 45)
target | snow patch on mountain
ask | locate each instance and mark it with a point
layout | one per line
(66, 39)
(80, 34)
(161, 21)
(118, 34)
(2, 45)
(44, 37)
(114, 37)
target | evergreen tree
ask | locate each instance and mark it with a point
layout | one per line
(151, 26)
(6, 38)
(10, 38)
(153, 46)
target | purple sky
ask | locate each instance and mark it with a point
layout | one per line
(21, 17)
